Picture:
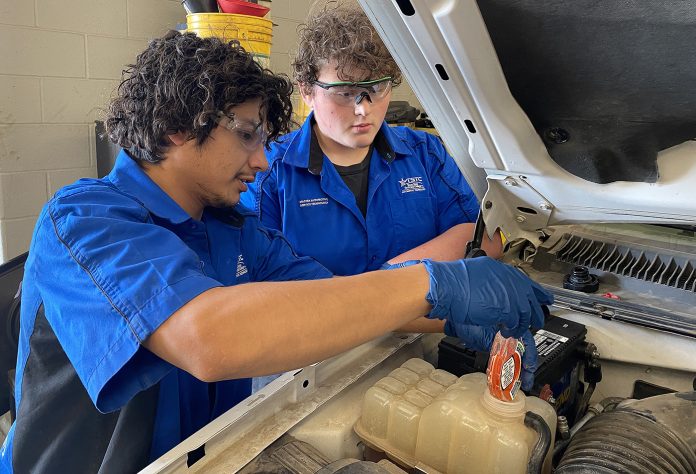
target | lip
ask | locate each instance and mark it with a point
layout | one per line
(362, 127)
(245, 180)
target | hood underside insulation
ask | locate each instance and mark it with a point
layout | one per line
(607, 85)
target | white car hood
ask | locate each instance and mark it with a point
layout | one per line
(446, 53)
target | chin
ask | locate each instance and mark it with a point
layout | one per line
(221, 202)
(362, 142)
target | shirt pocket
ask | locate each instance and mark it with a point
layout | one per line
(414, 221)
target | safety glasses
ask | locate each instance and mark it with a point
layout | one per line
(251, 135)
(350, 94)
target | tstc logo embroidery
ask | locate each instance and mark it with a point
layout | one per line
(410, 185)
(241, 268)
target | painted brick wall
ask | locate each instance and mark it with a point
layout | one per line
(59, 63)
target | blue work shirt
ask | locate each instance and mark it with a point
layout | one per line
(415, 193)
(110, 260)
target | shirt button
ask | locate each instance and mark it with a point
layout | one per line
(374, 257)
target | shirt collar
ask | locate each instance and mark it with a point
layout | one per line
(304, 150)
(131, 179)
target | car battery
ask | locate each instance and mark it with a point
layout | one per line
(561, 352)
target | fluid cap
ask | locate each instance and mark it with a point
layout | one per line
(580, 279)
(505, 367)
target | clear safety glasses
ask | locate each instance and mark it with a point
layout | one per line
(350, 94)
(251, 135)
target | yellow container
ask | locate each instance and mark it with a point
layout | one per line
(302, 110)
(253, 33)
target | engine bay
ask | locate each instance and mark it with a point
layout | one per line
(602, 356)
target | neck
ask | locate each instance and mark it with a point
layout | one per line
(166, 180)
(338, 154)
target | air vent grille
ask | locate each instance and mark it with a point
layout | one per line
(653, 267)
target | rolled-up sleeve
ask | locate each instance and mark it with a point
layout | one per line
(114, 278)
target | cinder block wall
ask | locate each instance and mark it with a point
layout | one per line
(59, 62)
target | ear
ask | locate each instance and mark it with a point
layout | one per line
(178, 138)
(307, 93)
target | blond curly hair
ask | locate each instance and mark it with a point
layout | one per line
(341, 32)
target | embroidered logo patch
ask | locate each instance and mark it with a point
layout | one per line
(241, 268)
(314, 202)
(410, 185)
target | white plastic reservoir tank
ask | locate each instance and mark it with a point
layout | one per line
(419, 415)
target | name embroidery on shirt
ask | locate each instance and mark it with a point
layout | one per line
(241, 268)
(410, 185)
(313, 202)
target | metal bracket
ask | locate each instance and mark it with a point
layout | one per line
(515, 207)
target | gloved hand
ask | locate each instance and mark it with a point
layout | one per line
(484, 292)
(480, 338)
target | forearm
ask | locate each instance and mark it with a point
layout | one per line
(423, 325)
(493, 247)
(261, 328)
(451, 245)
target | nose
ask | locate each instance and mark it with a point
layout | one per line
(257, 159)
(363, 102)
(361, 96)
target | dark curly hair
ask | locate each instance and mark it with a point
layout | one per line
(179, 83)
(341, 32)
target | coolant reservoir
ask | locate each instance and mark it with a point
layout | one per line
(423, 416)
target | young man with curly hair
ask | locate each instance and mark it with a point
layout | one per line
(346, 188)
(149, 297)
(349, 190)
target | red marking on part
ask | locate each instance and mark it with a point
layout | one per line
(611, 296)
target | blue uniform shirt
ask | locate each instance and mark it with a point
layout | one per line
(415, 193)
(110, 260)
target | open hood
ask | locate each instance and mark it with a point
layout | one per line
(557, 112)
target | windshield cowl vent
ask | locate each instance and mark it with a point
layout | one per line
(661, 268)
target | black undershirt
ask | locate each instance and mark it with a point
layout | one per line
(356, 178)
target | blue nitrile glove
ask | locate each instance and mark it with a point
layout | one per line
(484, 292)
(480, 338)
